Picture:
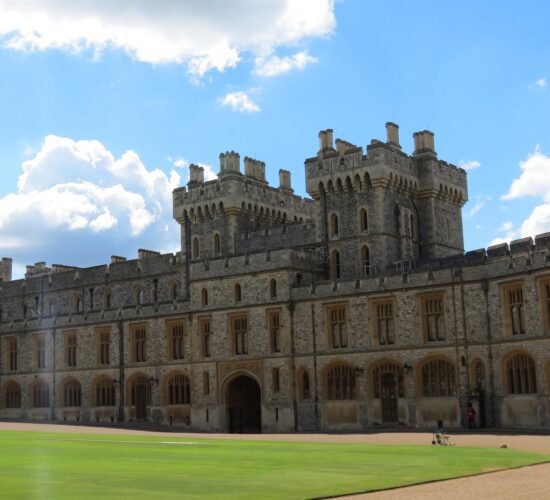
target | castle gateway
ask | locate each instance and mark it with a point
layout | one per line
(354, 309)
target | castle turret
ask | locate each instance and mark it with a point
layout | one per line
(5, 269)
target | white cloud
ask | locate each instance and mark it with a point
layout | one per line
(479, 203)
(209, 173)
(506, 226)
(239, 101)
(203, 34)
(275, 65)
(540, 84)
(76, 203)
(469, 164)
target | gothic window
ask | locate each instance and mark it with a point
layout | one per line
(204, 328)
(179, 390)
(438, 379)
(204, 297)
(104, 347)
(335, 265)
(71, 393)
(479, 376)
(385, 326)
(217, 244)
(176, 340)
(239, 326)
(521, 374)
(338, 334)
(273, 288)
(40, 394)
(363, 220)
(174, 291)
(104, 392)
(196, 248)
(238, 293)
(273, 319)
(433, 319)
(139, 296)
(78, 306)
(107, 300)
(139, 344)
(334, 229)
(515, 309)
(365, 261)
(70, 349)
(340, 383)
(12, 395)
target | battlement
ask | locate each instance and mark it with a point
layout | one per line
(5, 269)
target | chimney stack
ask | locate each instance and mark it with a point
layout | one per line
(284, 180)
(424, 142)
(392, 132)
(326, 139)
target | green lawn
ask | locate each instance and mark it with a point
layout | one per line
(50, 465)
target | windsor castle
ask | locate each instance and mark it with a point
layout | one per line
(354, 309)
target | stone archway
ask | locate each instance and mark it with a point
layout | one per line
(244, 405)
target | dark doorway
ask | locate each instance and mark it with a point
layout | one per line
(244, 406)
(141, 400)
(388, 395)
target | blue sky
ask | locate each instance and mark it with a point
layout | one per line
(102, 108)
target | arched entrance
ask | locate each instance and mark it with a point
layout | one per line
(244, 406)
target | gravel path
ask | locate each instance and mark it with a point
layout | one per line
(527, 482)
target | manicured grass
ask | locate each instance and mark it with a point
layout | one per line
(51, 465)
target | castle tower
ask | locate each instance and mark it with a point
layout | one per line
(5, 269)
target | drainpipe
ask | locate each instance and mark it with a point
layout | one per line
(291, 307)
(315, 381)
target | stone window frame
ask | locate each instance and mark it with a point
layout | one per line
(70, 347)
(175, 329)
(205, 335)
(40, 347)
(382, 367)
(40, 393)
(238, 293)
(71, 393)
(363, 219)
(365, 260)
(216, 244)
(304, 384)
(340, 382)
(334, 225)
(103, 391)
(138, 337)
(204, 297)
(441, 322)
(341, 341)
(195, 248)
(206, 383)
(178, 389)
(11, 356)
(438, 378)
(273, 288)
(11, 395)
(273, 320)
(519, 373)
(238, 337)
(544, 290)
(513, 320)
(375, 305)
(275, 380)
(103, 346)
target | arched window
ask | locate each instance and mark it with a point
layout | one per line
(104, 392)
(478, 375)
(334, 229)
(71, 393)
(204, 297)
(196, 248)
(179, 390)
(238, 293)
(40, 394)
(438, 379)
(363, 220)
(139, 296)
(78, 305)
(365, 260)
(304, 385)
(335, 265)
(340, 383)
(174, 291)
(107, 300)
(12, 395)
(23, 311)
(273, 289)
(521, 374)
(217, 244)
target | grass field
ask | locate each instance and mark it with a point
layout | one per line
(52, 465)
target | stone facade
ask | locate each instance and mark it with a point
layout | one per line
(355, 309)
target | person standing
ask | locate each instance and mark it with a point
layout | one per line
(471, 414)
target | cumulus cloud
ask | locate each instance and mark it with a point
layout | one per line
(203, 34)
(469, 164)
(239, 101)
(182, 163)
(275, 65)
(479, 203)
(78, 204)
(534, 180)
(540, 84)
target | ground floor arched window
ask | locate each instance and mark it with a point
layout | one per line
(521, 374)
(104, 392)
(340, 383)
(40, 394)
(438, 379)
(72, 394)
(179, 390)
(12, 395)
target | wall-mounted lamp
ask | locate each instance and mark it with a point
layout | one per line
(407, 368)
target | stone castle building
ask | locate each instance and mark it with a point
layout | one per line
(354, 309)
